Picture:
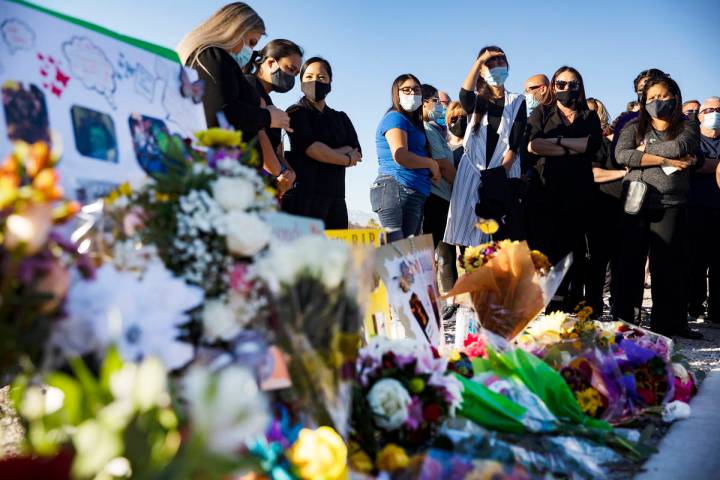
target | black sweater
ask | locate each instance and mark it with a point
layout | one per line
(227, 91)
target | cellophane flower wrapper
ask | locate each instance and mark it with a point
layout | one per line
(589, 367)
(508, 292)
(317, 321)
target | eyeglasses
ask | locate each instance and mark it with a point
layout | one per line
(705, 111)
(571, 85)
(410, 90)
(691, 112)
(433, 100)
(533, 88)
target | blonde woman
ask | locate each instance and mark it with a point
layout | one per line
(218, 48)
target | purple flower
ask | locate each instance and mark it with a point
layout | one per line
(415, 414)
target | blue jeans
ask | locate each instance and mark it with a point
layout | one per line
(399, 208)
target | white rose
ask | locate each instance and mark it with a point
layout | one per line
(246, 234)
(389, 402)
(219, 321)
(233, 193)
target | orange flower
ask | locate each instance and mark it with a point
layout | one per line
(47, 186)
(38, 158)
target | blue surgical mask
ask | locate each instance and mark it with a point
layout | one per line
(495, 77)
(531, 103)
(711, 121)
(438, 115)
(243, 56)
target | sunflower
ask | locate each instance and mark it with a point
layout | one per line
(589, 400)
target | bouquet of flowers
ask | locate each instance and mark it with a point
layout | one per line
(316, 320)
(35, 260)
(202, 218)
(126, 420)
(404, 392)
(509, 285)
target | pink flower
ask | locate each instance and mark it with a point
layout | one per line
(475, 346)
(134, 221)
(239, 281)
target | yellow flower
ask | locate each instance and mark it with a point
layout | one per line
(319, 455)
(488, 226)
(392, 457)
(361, 462)
(219, 137)
(454, 355)
(589, 401)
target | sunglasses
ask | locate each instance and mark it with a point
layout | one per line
(705, 111)
(432, 100)
(410, 90)
(691, 112)
(571, 85)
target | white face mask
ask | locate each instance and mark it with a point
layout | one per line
(711, 121)
(410, 103)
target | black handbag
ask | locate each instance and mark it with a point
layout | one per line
(495, 195)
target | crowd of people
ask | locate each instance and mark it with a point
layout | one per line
(623, 197)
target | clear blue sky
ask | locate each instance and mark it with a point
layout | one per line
(369, 43)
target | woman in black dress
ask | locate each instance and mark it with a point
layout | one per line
(565, 136)
(323, 145)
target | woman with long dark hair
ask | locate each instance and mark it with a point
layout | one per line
(565, 136)
(323, 145)
(273, 69)
(406, 170)
(658, 150)
(494, 135)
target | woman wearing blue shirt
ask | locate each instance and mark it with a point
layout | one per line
(405, 171)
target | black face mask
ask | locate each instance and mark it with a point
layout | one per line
(459, 126)
(315, 90)
(281, 81)
(661, 108)
(568, 97)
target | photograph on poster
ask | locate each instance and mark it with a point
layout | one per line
(26, 114)
(145, 133)
(94, 134)
(408, 271)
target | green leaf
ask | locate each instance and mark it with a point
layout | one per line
(112, 363)
(71, 411)
(489, 409)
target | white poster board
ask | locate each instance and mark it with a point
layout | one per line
(106, 99)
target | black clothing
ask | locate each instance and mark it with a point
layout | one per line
(661, 233)
(331, 127)
(604, 160)
(274, 134)
(473, 103)
(704, 190)
(458, 152)
(332, 211)
(567, 178)
(704, 271)
(603, 230)
(227, 91)
(559, 201)
(704, 227)
(320, 187)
